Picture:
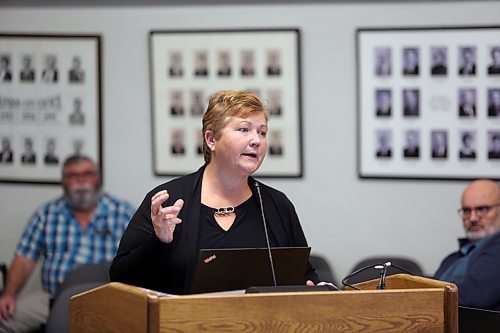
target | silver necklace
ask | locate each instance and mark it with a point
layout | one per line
(224, 211)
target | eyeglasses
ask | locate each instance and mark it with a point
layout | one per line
(481, 211)
(76, 175)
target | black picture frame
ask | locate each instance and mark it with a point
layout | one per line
(444, 120)
(187, 66)
(50, 104)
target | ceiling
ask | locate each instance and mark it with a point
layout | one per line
(107, 3)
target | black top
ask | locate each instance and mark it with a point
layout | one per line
(143, 260)
(248, 221)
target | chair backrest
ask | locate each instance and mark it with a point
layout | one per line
(3, 271)
(323, 269)
(370, 274)
(81, 279)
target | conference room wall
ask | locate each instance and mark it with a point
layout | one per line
(345, 218)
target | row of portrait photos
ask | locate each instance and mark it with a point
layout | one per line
(439, 58)
(467, 102)
(438, 144)
(25, 71)
(178, 145)
(197, 104)
(227, 63)
(28, 153)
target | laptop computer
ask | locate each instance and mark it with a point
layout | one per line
(237, 268)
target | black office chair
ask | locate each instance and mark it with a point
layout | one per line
(81, 279)
(323, 269)
(3, 271)
(408, 266)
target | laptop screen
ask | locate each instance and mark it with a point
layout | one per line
(235, 269)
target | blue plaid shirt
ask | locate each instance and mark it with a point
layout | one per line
(54, 233)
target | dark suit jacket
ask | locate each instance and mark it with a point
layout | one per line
(494, 69)
(411, 71)
(439, 70)
(411, 152)
(464, 71)
(75, 76)
(436, 154)
(493, 154)
(480, 287)
(28, 158)
(27, 75)
(7, 76)
(383, 113)
(143, 260)
(55, 77)
(493, 111)
(463, 113)
(386, 153)
(175, 72)
(410, 112)
(6, 156)
(466, 155)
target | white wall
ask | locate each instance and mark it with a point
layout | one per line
(344, 218)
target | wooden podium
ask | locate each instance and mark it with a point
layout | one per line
(409, 304)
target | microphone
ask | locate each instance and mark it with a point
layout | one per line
(383, 273)
(270, 254)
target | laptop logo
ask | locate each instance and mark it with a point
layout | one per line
(209, 259)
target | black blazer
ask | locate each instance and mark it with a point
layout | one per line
(143, 260)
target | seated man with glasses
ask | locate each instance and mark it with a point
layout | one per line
(83, 226)
(475, 267)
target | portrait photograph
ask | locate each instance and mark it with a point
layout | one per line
(50, 73)
(467, 60)
(494, 145)
(439, 144)
(384, 144)
(77, 116)
(494, 66)
(27, 72)
(224, 63)
(467, 102)
(177, 103)
(411, 102)
(467, 145)
(274, 102)
(178, 146)
(6, 152)
(28, 155)
(247, 62)
(383, 61)
(5, 70)
(494, 102)
(411, 147)
(51, 156)
(198, 142)
(383, 102)
(411, 60)
(76, 73)
(273, 65)
(197, 103)
(439, 61)
(275, 143)
(175, 68)
(201, 63)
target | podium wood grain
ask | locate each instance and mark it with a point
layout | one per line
(413, 305)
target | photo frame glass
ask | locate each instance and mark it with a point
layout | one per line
(187, 67)
(50, 104)
(429, 103)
